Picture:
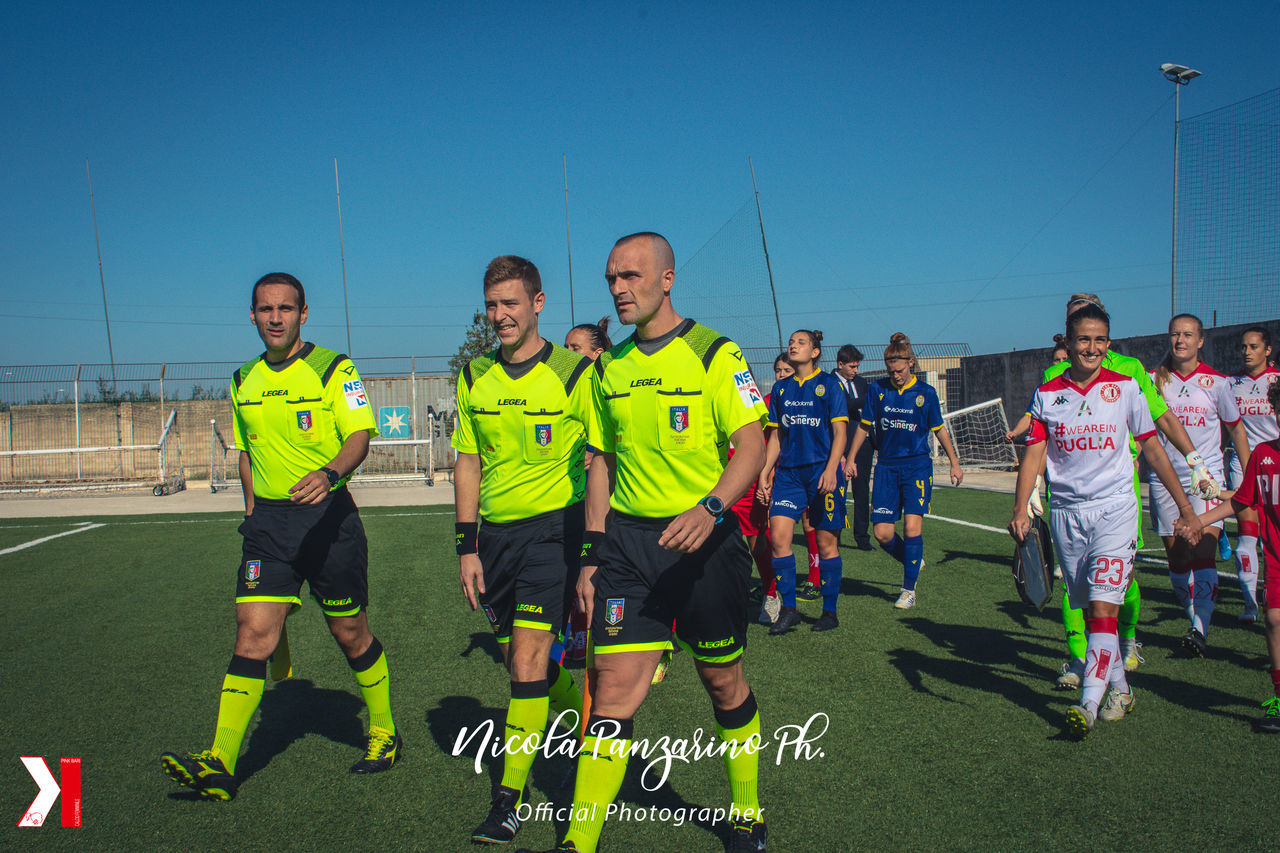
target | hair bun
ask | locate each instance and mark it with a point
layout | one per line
(1059, 340)
(603, 325)
(817, 336)
(899, 338)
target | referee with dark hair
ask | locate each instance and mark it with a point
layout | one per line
(523, 411)
(303, 425)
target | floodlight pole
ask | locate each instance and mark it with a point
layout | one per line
(1179, 75)
(568, 243)
(342, 254)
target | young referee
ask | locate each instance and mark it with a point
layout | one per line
(521, 435)
(668, 401)
(302, 424)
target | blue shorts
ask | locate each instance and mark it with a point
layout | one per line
(796, 490)
(901, 487)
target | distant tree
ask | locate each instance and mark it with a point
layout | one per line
(480, 339)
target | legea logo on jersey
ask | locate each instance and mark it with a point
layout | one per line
(38, 811)
(542, 432)
(679, 418)
(304, 420)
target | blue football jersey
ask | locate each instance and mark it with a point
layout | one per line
(803, 411)
(902, 420)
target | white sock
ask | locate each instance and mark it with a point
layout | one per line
(1182, 592)
(1102, 656)
(1205, 594)
(1247, 563)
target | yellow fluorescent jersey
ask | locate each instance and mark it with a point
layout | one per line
(668, 415)
(293, 418)
(527, 422)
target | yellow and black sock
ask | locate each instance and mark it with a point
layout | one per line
(563, 694)
(601, 766)
(241, 694)
(742, 764)
(374, 679)
(526, 723)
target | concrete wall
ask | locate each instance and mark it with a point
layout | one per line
(1015, 375)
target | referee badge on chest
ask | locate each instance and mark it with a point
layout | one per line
(542, 433)
(679, 418)
(304, 420)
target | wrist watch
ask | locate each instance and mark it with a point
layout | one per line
(713, 505)
(333, 476)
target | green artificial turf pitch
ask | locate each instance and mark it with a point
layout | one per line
(943, 730)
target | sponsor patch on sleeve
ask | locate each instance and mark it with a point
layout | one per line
(747, 389)
(354, 392)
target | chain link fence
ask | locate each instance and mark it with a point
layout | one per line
(91, 426)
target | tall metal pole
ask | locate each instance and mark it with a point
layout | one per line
(567, 243)
(342, 254)
(1173, 267)
(765, 243)
(111, 353)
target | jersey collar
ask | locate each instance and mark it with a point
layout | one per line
(903, 389)
(801, 382)
(281, 365)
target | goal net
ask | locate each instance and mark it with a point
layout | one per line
(978, 435)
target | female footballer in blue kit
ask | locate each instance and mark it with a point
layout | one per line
(903, 411)
(802, 470)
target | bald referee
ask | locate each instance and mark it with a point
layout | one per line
(668, 402)
(302, 424)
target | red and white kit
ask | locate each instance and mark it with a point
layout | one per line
(1260, 489)
(1203, 401)
(1093, 516)
(1250, 393)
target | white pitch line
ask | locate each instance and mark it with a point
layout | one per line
(1140, 558)
(81, 529)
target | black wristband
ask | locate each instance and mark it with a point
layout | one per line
(465, 535)
(590, 539)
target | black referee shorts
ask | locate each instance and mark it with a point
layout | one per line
(530, 570)
(641, 589)
(323, 544)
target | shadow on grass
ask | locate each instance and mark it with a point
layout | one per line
(981, 659)
(295, 708)
(486, 642)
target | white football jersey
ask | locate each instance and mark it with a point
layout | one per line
(1251, 399)
(1203, 401)
(1087, 430)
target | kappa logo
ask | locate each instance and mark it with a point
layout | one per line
(1267, 460)
(1059, 400)
(50, 790)
(252, 570)
(1109, 392)
(613, 610)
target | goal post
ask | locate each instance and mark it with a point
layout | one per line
(978, 432)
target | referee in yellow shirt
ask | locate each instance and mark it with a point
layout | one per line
(521, 437)
(302, 424)
(668, 402)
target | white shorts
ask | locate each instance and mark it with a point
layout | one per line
(1164, 511)
(1095, 545)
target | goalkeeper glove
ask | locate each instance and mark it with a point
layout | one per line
(1035, 509)
(1202, 482)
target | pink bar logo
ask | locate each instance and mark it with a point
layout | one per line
(50, 790)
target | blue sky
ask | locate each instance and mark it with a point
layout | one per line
(951, 170)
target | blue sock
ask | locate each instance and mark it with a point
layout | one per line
(895, 548)
(913, 551)
(831, 571)
(784, 571)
